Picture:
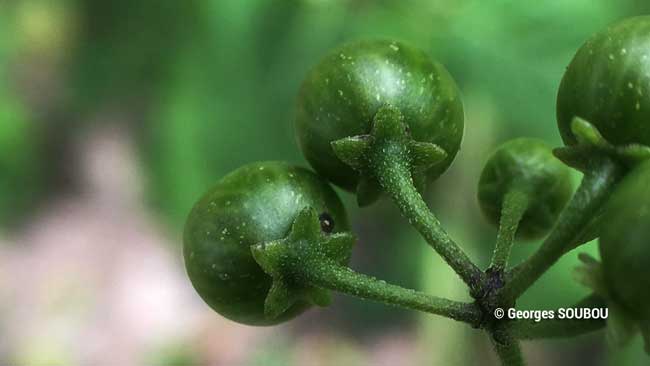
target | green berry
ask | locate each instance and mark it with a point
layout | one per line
(526, 165)
(254, 204)
(625, 243)
(341, 95)
(608, 84)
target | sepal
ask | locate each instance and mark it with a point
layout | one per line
(287, 259)
(425, 155)
(587, 134)
(389, 135)
(389, 123)
(620, 326)
(279, 299)
(590, 274)
(591, 143)
(353, 150)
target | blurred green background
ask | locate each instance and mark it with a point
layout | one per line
(116, 115)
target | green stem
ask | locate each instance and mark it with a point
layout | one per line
(334, 277)
(592, 193)
(507, 348)
(513, 208)
(589, 233)
(561, 328)
(394, 175)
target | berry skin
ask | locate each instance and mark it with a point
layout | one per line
(625, 244)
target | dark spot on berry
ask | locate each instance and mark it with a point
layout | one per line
(326, 222)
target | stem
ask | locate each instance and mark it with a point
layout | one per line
(561, 328)
(596, 186)
(589, 233)
(332, 276)
(507, 348)
(392, 170)
(513, 208)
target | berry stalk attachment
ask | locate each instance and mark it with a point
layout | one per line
(343, 93)
(389, 158)
(522, 189)
(308, 259)
(515, 203)
(601, 175)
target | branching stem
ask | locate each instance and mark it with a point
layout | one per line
(395, 178)
(596, 186)
(507, 348)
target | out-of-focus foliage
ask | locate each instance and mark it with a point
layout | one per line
(19, 183)
(124, 49)
(19, 161)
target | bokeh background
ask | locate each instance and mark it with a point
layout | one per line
(116, 115)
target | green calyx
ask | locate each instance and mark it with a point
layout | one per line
(389, 136)
(527, 168)
(590, 144)
(288, 260)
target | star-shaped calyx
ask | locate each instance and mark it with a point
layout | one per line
(389, 135)
(591, 143)
(289, 260)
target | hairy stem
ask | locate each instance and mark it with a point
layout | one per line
(334, 277)
(513, 207)
(561, 328)
(592, 193)
(392, 170)
(507, 348)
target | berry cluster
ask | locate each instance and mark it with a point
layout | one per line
(381, 118)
